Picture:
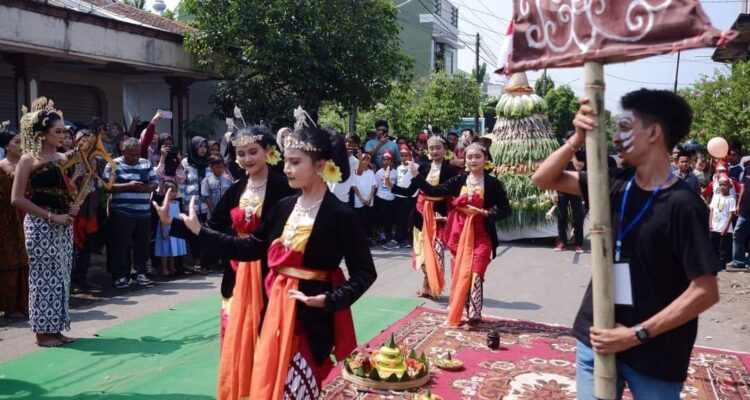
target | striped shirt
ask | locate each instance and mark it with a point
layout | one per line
(132, 203)
(192, 187)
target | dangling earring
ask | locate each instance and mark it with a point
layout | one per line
(320, 173)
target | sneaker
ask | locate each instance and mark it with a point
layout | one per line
(560, 247)
(122, 283)
(734, 267)
(579, 249)
(392, 245)
(406, 245)
(143, 280)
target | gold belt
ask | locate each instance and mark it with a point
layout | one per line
(430, 198)
(468, 211)
(306, 274)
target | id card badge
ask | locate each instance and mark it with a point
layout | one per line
(623, 285)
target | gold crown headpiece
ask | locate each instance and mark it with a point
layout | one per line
(30, 143)
(246, 140)
(476, 145)
(292, 143)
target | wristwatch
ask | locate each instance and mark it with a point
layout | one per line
(641, 334)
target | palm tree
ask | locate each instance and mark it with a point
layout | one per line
(135, 3)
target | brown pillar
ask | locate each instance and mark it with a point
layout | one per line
(179, 100)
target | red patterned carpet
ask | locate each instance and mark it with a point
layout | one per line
(535, 361)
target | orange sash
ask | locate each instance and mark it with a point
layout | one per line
(236, 362)
(435, 278)
(277, 341)
(461, 280)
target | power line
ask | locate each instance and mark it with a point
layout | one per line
(642, 82)
(439, 19)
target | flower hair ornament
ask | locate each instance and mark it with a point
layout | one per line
(31, 140)
(331, 172)
(274, 157)
(4, 126)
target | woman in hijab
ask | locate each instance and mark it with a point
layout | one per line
(196, 167)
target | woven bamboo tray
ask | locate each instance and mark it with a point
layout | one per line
(382, 385)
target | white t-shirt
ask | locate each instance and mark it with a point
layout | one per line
(341, 189)
(384, 192)
(722, 208)
(364, 184)
(403, 179)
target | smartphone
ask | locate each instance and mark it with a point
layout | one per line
(166, 114)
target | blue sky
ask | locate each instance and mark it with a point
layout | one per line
(490, 18)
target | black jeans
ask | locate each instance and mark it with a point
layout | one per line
(384, 217)
(127, 230)
(365, 219)
(576, 207)
(403, 208)
(83, 259)
(722, 246)
(196, 252)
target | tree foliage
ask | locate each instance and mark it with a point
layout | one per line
(274, 56)
(544, 85)
(562, 105)
(721, 105)
(440, 100)
(135, 3)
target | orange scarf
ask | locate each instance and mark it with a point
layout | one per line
(278, 341)
(435, 278)
(236, 363)
(462, 271)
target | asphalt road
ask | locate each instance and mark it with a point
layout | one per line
(526, 281)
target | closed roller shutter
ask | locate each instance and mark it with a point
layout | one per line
(7, 101)
(78, 103)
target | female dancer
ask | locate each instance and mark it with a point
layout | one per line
(479, 201)
(14, 263)
(429, 247)
(305, 238)
(48, 222)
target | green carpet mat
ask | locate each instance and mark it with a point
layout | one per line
(168, 355)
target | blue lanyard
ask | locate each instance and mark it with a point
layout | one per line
(621, 232)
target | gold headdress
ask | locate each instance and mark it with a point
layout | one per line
(292, 143)
(31, 140)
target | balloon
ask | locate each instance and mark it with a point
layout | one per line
(718, 147)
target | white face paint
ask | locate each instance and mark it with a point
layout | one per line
(626, 137)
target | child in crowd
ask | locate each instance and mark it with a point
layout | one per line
(168, 247)
(364, 192)
(404, 205)
(384, 201)
(722, 208)
(215, 184)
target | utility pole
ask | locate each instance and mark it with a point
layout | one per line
(677, 71)
(476, 115)
(353, 120)
(544, 83)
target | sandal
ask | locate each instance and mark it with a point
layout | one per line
(49, 342)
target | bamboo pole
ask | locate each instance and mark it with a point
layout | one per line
(605, 373)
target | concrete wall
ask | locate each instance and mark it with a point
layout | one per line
(416, 38)
(43, 34)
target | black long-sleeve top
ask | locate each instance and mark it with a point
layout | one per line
(446, 172)
(495, 199)
(336, 235)
(277, 188)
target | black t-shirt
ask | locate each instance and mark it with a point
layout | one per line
(665, 251)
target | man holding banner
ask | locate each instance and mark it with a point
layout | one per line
(664, 268)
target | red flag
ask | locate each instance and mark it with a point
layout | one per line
(568, 33)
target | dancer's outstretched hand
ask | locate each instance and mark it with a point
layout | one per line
(191, 220)
(163, 210)
(318, 301)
